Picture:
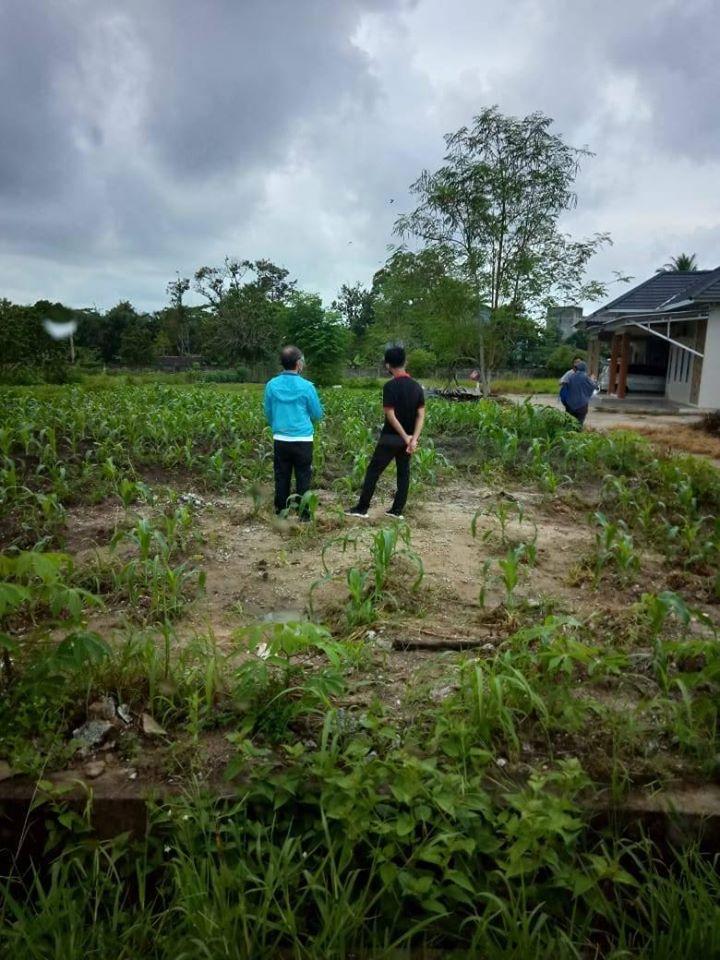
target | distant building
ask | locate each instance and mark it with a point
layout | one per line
(564, 320)
(663, 336)
(176, 364)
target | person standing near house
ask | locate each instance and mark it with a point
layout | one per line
(564, 379)
(292, 406)
(568, 373)
(404, 408)
(579, 388)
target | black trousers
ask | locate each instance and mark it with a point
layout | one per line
(386, 451)
(579, 414)
(289, 456)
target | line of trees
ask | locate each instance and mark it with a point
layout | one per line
(479, 262)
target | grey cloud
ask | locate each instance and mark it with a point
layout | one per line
(232, 80)
(144, 137)
(37, 42)
(150, 128)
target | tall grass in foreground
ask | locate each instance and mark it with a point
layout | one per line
(213, 891)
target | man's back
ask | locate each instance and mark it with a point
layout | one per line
(291, 405)
(578, 390)
(405, 396)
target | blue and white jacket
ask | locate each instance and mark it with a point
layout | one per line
(292, 406)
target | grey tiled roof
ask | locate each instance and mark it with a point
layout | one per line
(709, 290)
(664, 290)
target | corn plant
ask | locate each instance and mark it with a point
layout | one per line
(361, 608)
(37, 584)
(275, 687)
(614, 547)
(130, 491)
(510, 567)
(654, 610)
(388, 543)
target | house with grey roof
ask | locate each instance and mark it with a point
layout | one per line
(663, 336)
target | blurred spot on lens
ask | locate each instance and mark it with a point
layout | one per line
(60, 331)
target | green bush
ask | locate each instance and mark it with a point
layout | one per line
(57, 371)
(363, 383)
(19, 375)
(26, 375)
(421, 363)
(321, 337)
(238, 375)
(562, 357)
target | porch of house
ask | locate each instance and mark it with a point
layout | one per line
(648, 404)
(651, 367)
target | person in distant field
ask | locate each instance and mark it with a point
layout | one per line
(579, 388)
(404, 408)
(292, 406)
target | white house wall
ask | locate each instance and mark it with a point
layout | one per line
(710, 383)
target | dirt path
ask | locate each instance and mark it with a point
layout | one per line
(258, 568)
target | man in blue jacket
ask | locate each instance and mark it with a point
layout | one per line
(577, 391)
(291, 407)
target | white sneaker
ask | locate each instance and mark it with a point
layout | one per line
(355, 512)
(396, 516)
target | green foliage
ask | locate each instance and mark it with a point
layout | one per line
(245, 318)
(682, 263)
(356, 306)
(273, 690)
(137, 342)
(614, 547)
(320, 336)
(238, 375)
(421, 302)
(494, 208)
(27, 352)
(561, 359)
(36, 671)
(421, 363)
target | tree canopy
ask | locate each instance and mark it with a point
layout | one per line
(682, 263)
(496, 204)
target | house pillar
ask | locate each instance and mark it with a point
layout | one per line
(593, 354)
(697, 367)
(623, 366)
(614, 365)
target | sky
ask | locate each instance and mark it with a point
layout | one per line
(147, 138)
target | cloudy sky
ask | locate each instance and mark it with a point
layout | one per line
(146, 137)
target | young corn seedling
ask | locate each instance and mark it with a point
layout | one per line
(614, 547)
(384, 547)
(510, 572)
(655, 609)
(360, 609)
(484, 583)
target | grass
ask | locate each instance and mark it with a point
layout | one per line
(522, 386)
(687, 439)
(527, 387)
(361, 848)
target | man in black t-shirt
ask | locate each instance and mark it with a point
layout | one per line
(404, 407)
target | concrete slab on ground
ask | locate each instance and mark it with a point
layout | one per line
(627, 413)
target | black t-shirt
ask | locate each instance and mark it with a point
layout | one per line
(405, 396)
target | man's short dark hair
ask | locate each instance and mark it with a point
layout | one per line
(289, 357)
(395, 357)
